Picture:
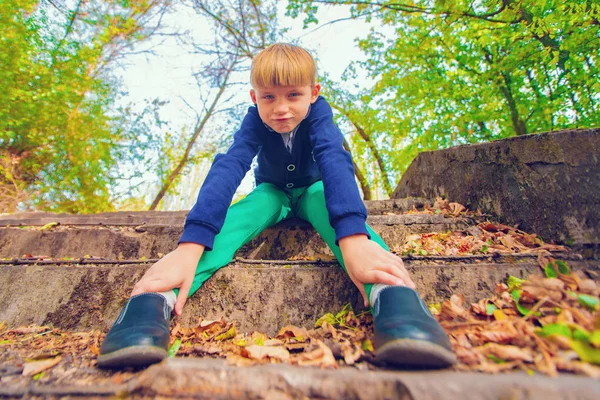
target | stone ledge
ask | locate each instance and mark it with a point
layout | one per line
(257, 296)
(290, 238)
(547, 183)
(209, 378)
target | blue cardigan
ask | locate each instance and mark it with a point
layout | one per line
(317, 153)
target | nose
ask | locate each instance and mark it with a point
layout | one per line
(281, 107)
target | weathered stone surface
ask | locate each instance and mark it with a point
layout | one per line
(205, 378)
(290, 238)
(547, 183)
(175, 218)
(261, 296)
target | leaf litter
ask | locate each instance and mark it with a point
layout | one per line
(538, 324)
(549, 323)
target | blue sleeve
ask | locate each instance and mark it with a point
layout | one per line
(206, 218)
(347, 212)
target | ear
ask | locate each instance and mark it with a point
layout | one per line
(316, 89)
(253, 95)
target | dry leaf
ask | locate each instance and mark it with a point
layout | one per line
(291, 331)
(505, 352)
(320, 356)
(261, 353)
(35, 367)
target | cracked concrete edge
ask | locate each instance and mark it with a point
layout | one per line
(215, 379)
(90, 297)
(374, 207)
(546, 183)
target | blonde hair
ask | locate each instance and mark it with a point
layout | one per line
(283, 64)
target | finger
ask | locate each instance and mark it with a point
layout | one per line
(392, 269)
(361, 289)
(182, 297)
(405, 275)
(401, 272)
(386, 278)
(149, 286)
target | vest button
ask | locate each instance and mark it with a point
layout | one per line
(291, 167)
(289, 185)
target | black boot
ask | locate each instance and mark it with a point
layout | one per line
(406, 334)
(140, 336)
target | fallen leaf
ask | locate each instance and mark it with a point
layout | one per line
(266, 352)
(291, 331)
(505, 352)
(321, 356)
(35, 367)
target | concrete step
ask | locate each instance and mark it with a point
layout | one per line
(259, 295)
(175, 218)
(209, 378)
(290, 238)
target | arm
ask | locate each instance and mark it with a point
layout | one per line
(365, 260)
(206, 218)
(347, 212)
(177, 269)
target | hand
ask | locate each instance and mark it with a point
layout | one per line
(175, 270)
(368, 262)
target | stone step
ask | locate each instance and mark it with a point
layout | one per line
(291, 238)
(209, 378)
(259, 295)
(175, 218)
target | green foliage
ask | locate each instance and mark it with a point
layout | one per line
(451, 73)
(60, 137)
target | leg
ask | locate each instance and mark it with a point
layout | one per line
(140, 336)
(406, 334)
(311, 207)
(263, 207)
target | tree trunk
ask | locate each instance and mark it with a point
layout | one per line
(362, 180)
(371, 145)
(518, 124)
(186, 155)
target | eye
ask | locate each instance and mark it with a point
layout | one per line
(268, 97)
(295, 94)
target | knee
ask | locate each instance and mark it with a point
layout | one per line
(316, 189)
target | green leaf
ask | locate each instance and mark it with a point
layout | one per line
(563, 268)
(586, 352)
(514, 283)
(516, 295)
(490, 308)
(230, 334)
(589, 302)
(367, 345)
(581, 335)
(550, 271)
(174, 348)
(39, 376)
(341, 316)
(329, 318)
(555, 329)
(496, 359)
(594, 338)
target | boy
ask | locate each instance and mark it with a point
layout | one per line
(302, 171)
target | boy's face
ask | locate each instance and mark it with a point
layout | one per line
(282, 108)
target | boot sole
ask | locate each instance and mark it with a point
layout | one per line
(133, 356)
(415, 353)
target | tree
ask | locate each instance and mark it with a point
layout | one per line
(58, 139)
(242, 28)
(449, 73)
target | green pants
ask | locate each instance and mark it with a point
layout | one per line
(265, 206)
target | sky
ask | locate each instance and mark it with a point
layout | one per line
(167, 74)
